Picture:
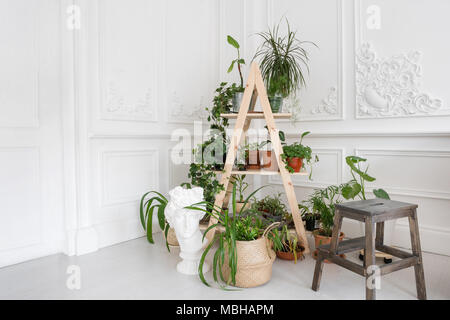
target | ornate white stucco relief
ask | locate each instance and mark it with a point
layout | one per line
(328, 105)
(390, 87)
(115, 103)
(179, 110)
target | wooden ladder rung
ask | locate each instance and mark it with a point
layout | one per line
(346, 245)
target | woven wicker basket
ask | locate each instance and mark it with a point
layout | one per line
(254, 261)
(172, 238)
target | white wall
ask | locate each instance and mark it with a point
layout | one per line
(138, 69)
(31, 164)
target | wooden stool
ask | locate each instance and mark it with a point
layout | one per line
(371, 212)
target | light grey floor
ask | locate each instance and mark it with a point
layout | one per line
(139, 270)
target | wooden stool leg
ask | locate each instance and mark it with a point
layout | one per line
(379, 239)
(336, 231)
(369, 258)
(417, 251)
(318, 271)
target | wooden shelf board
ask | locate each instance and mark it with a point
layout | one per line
(257, 115)
(264, 172)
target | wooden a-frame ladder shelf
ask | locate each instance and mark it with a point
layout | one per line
(254, 88)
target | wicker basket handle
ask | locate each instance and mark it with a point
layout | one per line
(266, 231)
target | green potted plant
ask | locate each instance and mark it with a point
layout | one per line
(310, 218)
(286, 245)
(243, 257)
(275, 93)
(356, 186)
(241, 186)
(203, 175)
(283, 60)
(322, 202)
(268, 157)
(238, 93)
(296, 154)
(151, 202)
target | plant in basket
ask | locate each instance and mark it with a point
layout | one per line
(243, 257)
(241, 186)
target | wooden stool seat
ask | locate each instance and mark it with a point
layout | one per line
(375, 207)
(373, 213)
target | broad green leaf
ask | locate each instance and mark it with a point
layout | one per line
(233, 42)
(149, 224)
(230, 68)
(351, 190)
(351, 163)
(380, 193)
(161, 217)
(141, 211)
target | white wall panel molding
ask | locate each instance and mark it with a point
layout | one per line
(328, 173)
(21, 198)
(125, 173)
(189, 72)
(343, 134)
(127, 62)
(20, 63)
(330, 105)
(417, 178)
(155, 136)
(432, 239)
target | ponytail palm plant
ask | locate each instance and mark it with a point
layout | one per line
(284, 60)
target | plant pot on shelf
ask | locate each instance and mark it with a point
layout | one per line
(237, 100)
(290, 255)
(269, 161)
(252, 160)
(276, 103)
(295, 163)
(320, 240)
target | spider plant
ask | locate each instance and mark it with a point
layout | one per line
(285, 242)
(241, 186)
(236, 228)
(283, 60)
(147, 207)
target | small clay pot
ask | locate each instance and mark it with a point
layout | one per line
(295, 163)
(321, 240)
(290, 255)
(269, 161)
(252, 160)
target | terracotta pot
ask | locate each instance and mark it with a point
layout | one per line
(295, 163)
(290, 256)
(269, 161)
(252, 160)
(321, 240)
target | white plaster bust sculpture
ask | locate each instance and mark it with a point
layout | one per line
(186, 225)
